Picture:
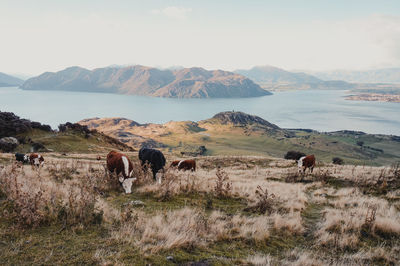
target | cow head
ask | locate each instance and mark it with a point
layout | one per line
(127, 184)
(300, 164)
(26, 158)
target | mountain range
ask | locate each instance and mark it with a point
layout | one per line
(9, 81)
(385, 75)
(273, 78)
(141, 80)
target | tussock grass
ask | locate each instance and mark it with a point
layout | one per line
(338, 215)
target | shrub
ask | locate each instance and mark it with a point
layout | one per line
(222, 187)
(292, 176)
(265, 202)
(337, 160)
(31, 206)
(63, 170)
(294, 155)
(168, 181)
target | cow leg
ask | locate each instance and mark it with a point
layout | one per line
(311, 169)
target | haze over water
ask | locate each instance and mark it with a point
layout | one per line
(320, 110)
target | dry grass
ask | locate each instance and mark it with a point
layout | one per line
(335, 216)
(188, 228)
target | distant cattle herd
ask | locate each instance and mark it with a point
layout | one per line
(120, 164)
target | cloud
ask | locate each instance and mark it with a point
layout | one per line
(174, 12)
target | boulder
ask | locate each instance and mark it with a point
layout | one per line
(8, 144)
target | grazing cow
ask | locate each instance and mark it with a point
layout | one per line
(153, 157)
(23, 158)
(306, 162)
(122, 166)
(184, 165)
(36, 159)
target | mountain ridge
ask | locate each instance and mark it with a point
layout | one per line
(274, 78)
(9, 81)
(147, 81)
(382, 75)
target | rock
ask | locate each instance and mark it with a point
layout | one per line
(36, 146)
(13, 125)
(8, 144)
(75, 127)
(193, 150)
(170, 258)
(240, 118)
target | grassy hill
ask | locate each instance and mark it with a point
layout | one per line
(236, 133)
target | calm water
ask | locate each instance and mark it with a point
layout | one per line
(320, 110)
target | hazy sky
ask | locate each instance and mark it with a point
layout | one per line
(49, 35)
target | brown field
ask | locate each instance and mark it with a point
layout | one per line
(243, 210)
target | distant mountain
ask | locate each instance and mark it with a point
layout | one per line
(386, 75)
(9, 81)
(270, 77)
(141, 80)
(270, 74)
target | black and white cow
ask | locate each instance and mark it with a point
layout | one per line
(23, 158)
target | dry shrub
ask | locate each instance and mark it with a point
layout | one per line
(28, 209)
(322, 175)
(102, 181)
(168, 186)
(33, 203)
(80, 207)
(62, 170)
(395, 170)
(292, 176)
(188, 184)
(143, 174)
(265, 202)
(223, 187)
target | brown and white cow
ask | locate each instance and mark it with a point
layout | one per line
(122, 166)
(36, 159)
(184, 165)
(306, 162)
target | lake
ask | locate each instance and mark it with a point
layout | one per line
(322, 110)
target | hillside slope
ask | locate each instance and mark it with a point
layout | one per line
(141, 80)
(9, 81)
(237, 133)
(33, 136)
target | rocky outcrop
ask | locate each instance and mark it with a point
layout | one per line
(140, 80)
(12, 125)
(77, 128)
(240, 118)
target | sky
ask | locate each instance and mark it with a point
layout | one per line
(315, 35)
